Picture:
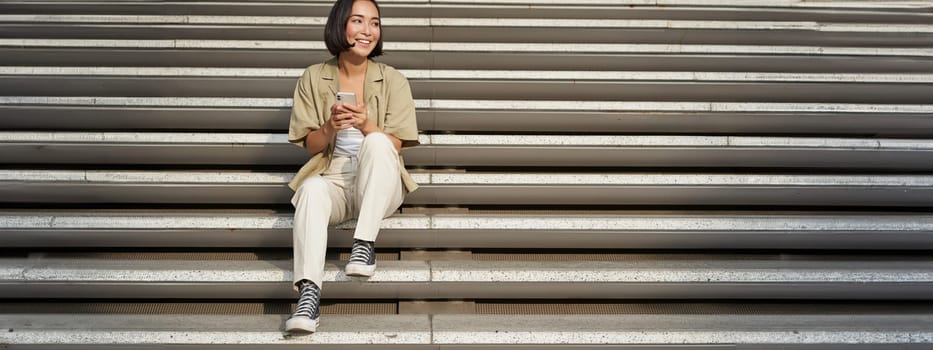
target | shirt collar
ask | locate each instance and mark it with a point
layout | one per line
(331, 73)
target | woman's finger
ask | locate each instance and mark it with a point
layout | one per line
(360, 108)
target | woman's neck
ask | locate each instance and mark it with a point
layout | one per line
(352, 66)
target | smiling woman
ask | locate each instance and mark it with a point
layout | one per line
(353, 115)
(351, 22)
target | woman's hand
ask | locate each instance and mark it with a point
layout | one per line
(339, 120)
(344, 116)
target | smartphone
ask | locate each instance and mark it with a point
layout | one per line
(346, 98)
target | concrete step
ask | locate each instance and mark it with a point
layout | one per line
(661, 60)
(486, 75)
(473, 84)
(212, 331)
(556, 307)
(538, 230)
(436, 19)
(478, 150)
(592, 48)
(833, 11)
(512, 30)
(478, 188)
(775, 276)
(337, 307)
(803, 331)
(115, 113)
(501, 17)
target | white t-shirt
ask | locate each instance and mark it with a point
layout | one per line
(348, 142)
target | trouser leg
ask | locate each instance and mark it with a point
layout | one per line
(378, 187)
(318, 203)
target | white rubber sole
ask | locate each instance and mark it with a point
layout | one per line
(360, 270)
(301, 324)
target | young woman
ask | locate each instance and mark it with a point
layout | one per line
(355, 170)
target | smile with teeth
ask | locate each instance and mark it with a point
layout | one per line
(363, 41)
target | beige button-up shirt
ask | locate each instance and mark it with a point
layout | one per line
(388, 99)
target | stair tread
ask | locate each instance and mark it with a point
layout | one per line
(194, 219)
(699, 269)
(800, 330)
(238, 140)
(553, 229)
(438, 21)
(604, 48)
(141, 73)
(445, 177)
(508, 105)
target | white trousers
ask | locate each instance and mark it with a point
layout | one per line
(367, 187)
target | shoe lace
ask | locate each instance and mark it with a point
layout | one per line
(309, 301)
(363, 253)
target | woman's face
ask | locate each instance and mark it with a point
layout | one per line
(363, 28)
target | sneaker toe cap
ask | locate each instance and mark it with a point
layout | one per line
(301, 324)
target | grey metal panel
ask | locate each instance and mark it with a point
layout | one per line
(491, 194)
(522, 281)
(128, 118)
(770, 36)
(145, 7)
(708, 291)
(211, 290)
(673, 11)
(626, 230)
(457, 194)
(516, 34)
(463, 60)
(672, 195)
(557, 239)
(147, 86)
(673, 157)
(469, 290)
(165, 154)
(474, 155)
(762, 11)
(784, 277)
(488, 238)
(182, 31)
(145, 193)
(675, 91)
(654, 346)
(276, 120)
(484, 89)
(664, 62)
(679, 123)
(180, 238)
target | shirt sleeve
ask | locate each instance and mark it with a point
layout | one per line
(400, 111)
(304, 117)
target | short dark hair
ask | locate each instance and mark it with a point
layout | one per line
(335, 31)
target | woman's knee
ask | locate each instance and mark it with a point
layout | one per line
(313, 185)
(378, 139)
